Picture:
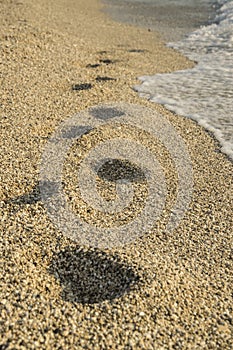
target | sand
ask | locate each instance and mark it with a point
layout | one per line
(162, 291)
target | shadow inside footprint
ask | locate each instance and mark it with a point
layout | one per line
(105, 113)
(84, 86)
(27, 198)
(117, 169)
(90, 277)
(107, 61)
(104, 79)
(137, 50)
(95, 65)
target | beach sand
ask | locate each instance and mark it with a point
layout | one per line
(163, 291)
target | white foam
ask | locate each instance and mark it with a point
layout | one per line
(204, 93)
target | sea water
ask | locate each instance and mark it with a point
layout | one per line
(205, 92)
(172, 19)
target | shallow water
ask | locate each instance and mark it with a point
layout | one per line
(173, 19)
(204, 93)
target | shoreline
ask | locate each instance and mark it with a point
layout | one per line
(172, 20)
(180, 283)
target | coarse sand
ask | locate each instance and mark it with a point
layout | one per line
(164, 290)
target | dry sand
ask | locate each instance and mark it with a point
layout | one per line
(164, 291)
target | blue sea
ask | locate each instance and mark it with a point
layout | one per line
(205, 92)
